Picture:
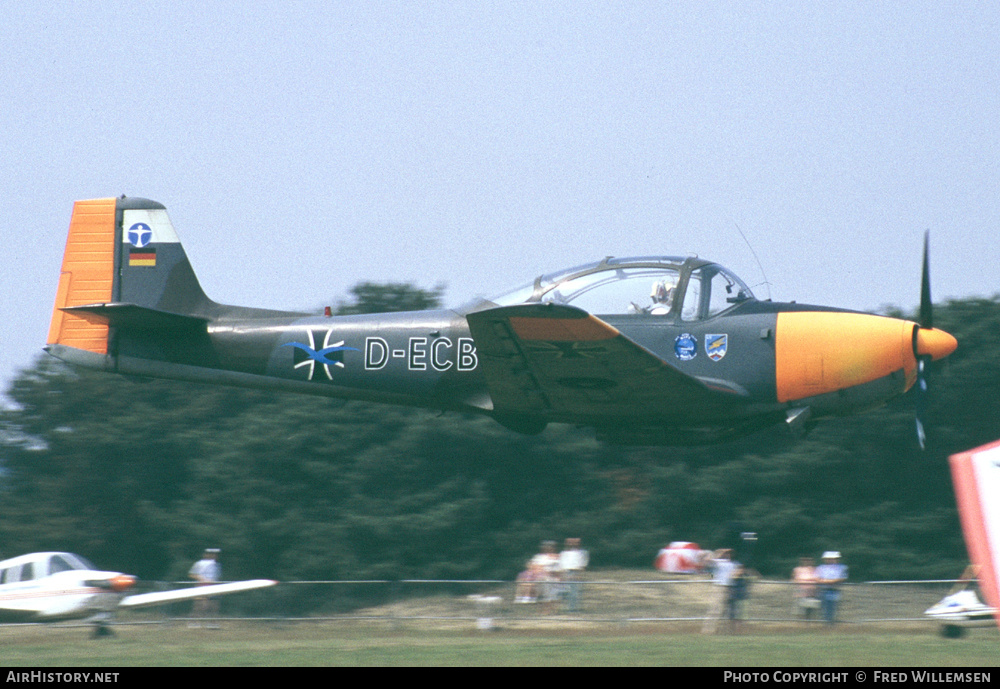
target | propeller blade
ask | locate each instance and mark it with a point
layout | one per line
(921, 395)
(926, 308)
(925, 320)
(928, 343)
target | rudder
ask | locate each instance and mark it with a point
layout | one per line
(87, 276)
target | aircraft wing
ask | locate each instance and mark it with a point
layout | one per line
(140, 600)
(551, 358)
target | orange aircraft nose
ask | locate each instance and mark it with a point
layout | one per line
(936, 343)
(823, 352)
(122, 582)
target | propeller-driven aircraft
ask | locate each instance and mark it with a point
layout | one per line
(47, 587)
(645, 350)
(961, 609)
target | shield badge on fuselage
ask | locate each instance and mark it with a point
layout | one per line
(716, 346)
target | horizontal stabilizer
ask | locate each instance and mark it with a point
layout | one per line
(158, 598)
(133, 316)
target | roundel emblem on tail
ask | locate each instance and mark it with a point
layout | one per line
(139, 235)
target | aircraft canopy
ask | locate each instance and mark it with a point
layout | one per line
(689, 289)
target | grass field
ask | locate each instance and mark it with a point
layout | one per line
(242, 643)
(622, 624)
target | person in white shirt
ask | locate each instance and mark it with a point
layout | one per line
(206, 571)
(723, 567)
(573, 560)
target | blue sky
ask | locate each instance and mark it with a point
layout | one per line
(301, 147)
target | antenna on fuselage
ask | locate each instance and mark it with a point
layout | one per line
(761, 267)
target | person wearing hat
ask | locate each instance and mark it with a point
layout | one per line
(724, 569)
(829, 576)
(206, 571)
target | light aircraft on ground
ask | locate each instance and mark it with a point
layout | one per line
(959, 610)
(52, 586)
(645, 350)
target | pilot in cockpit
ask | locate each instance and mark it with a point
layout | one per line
(662, 295)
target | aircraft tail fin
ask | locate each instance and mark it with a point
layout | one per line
(123, 267)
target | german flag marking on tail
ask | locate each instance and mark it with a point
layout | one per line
(142, 257)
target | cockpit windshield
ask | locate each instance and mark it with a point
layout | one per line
(691, 289)
(65, 562)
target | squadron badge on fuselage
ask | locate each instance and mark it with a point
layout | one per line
(686, 347)
(716, 346)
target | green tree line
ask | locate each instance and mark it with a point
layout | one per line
(141, 475)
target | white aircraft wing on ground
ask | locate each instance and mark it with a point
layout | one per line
(160, 597)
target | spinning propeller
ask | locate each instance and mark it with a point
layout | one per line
(928, 343)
